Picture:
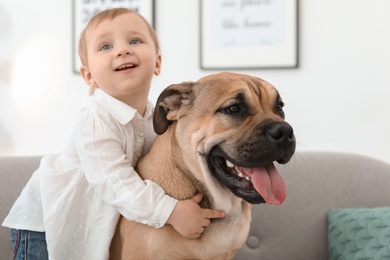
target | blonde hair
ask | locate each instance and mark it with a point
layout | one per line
(102, 16)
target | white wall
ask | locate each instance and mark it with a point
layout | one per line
(337, 100)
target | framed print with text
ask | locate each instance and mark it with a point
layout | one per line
(83, 10)
(248, 34)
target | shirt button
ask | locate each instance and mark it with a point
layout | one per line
(114, 179)
(141, 134)
(156, 224)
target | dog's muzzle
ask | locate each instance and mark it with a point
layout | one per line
(249, 171)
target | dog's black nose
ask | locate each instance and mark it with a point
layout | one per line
(281, 133)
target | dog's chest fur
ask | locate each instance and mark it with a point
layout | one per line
(163, 167)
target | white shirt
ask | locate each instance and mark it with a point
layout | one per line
(77, 197)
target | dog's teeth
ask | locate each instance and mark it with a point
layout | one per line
(229, 164)
(237, 171)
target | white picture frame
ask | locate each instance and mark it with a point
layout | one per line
(248, 34)
(83, 10)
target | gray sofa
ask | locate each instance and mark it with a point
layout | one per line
(316, 182)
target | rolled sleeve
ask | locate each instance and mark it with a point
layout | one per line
(162, 211)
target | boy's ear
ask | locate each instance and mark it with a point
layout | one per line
(87, 76)
(157, 68)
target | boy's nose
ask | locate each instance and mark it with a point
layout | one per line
(124, 51)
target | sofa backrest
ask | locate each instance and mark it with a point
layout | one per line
(316, 182)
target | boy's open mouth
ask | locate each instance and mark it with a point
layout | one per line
(126, 67)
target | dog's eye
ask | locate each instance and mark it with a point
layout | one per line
(233, 109)
(280, 111)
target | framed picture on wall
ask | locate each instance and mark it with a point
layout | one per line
(248, 34)
(83, 10)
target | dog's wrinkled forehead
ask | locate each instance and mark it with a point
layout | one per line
(232, 82)
(213, 94)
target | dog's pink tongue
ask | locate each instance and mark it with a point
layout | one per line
(268, 183)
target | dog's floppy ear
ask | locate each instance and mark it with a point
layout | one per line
(168, 104)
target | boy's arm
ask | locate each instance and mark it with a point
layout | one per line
(108, 169)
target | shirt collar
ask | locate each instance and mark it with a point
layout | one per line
(119, 110)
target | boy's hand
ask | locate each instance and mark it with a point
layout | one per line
(189, 219)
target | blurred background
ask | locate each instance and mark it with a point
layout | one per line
(336, 100)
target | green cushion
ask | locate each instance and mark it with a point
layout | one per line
(359, 233)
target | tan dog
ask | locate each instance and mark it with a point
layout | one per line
(218, 136)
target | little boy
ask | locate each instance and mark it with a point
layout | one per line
(73, 201)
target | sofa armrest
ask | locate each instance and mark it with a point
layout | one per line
(14, 174)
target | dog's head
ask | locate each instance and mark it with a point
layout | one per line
(232, 129)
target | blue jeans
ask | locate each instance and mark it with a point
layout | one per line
(28, 245)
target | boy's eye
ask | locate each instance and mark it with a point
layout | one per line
(135, 42)
(105, 47)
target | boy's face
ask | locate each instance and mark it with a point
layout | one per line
(122, 57)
